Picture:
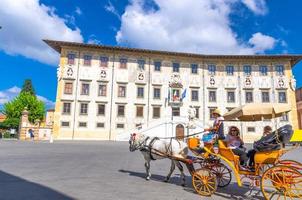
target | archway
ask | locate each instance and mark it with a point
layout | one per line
(180, 132)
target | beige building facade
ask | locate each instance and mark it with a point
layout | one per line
(299, 106)
(104, 91)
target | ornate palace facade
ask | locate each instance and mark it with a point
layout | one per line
(104, 91)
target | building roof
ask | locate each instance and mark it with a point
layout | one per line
(58, 45)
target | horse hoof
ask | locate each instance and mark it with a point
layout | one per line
(166, 180)
(147, 178)
(183, 185)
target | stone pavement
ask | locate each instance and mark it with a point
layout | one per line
(94, 170)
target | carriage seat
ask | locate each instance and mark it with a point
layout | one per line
(227, 153)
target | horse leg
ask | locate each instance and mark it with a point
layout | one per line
(147, 166)
(172, 168)
(182, 176)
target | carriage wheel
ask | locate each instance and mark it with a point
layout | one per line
(281, 182)
(204, 182)
(291, 163)
(223, 174)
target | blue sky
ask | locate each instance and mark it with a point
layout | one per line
(199, 26)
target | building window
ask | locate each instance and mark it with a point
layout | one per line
(87, 60)
(100, 125)
(175, 111)
(265, 97)
(250, 129)
(104, 61)
(156, 93)
(140, 92)
(123, 63)
(119, 125)
(139, 111)
(197, 112)
(84, 109)
(85, 89)
(156, 112)
(120, 110)
(231, 97)
(83, 124)
(66, 108)
(64, 124)
(157, 65)
(102, 90)
(280, 70)
(121, 91)
(249, 96)
(247, 70)
(141, 64)
(211, 110)
(284, 117)
(212, 69)
(194, 68)
(68, 88)
(175, 67)
(212, 96)
(229, 70)
(263, 70)
(70, 58)
(194, 95)
(282, 97)
(101, 109)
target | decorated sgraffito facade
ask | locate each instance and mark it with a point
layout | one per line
(104, 91)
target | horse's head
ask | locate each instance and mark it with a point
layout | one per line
(134, 142)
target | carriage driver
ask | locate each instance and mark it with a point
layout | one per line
(217, 127)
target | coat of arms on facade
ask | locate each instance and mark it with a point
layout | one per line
(281, 82)
(175, 81)
(103, 73)
(141, 76)
(212, 81)
(69, 72)
(293, 83)
(248, 81)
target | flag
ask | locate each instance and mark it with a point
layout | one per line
(183, 95)
(175, 95)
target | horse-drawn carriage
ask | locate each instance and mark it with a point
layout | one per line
(212, 167)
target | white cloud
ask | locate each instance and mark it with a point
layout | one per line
(11, 93)
(257, 6)
(25, 23)
(189, 26)
(78, 11)
(92, 39)
(110, 8)
(262, 42)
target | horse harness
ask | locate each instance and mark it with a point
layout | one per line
(148, 148)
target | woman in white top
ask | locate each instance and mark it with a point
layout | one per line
(235, 143)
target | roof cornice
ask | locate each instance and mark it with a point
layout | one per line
(58, 45)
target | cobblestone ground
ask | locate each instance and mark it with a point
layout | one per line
(94, 170)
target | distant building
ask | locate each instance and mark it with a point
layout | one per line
(2, 117)
(299, 106)
(104, 91)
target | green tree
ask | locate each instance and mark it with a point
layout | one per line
(28, 87)
(13, 109)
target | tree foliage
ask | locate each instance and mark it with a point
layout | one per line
(13, 109)
(28, 87)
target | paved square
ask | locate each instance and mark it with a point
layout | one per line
(94, 170)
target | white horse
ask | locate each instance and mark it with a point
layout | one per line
(154, 148)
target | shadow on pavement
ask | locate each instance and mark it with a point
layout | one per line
(154, 177)
(15, 188)
(237, 193)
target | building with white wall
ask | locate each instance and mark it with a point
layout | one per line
(104, 91)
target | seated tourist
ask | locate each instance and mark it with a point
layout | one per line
(251, 153)
(235, 143)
